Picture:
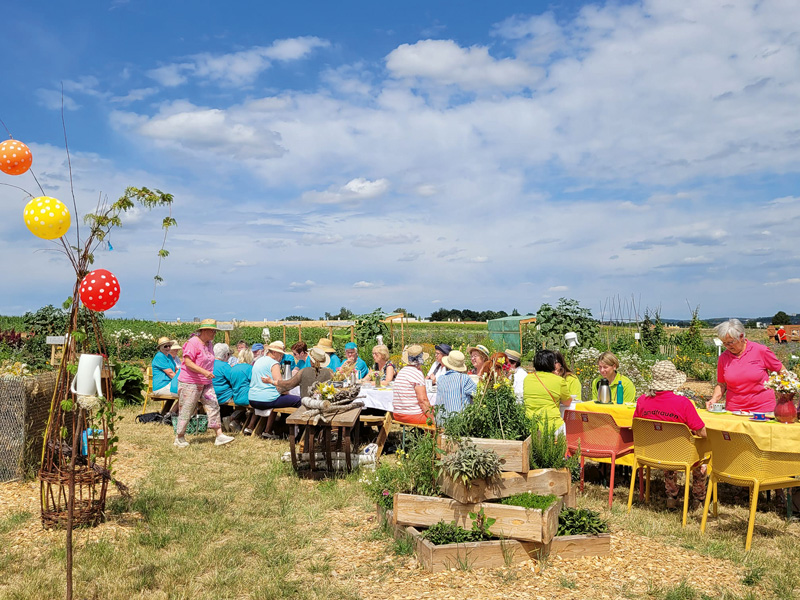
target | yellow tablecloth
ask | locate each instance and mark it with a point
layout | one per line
(769, 435)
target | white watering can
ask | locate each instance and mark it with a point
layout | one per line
(87, 381)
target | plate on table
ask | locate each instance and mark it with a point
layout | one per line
(717, 412)
(767, 420)
(742, 413)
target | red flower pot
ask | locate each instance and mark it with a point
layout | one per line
(785, 411)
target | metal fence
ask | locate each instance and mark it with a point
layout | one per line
(24, 408)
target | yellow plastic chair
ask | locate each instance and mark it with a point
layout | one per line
(667, 446)
(738, 461)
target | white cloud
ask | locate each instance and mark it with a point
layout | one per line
(558, 288)
(135, 95)
(791, 281)
(236, 68)
(355, 190)
(52, 100)
(364, 284)
(445, 62)
(479, 259)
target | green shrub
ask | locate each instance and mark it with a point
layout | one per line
(449, 533)
(469, 463)
(128, 384)
(580, 521)
(493, 414)
(529, 500)
(548, 450)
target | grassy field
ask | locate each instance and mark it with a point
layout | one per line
(235, 522)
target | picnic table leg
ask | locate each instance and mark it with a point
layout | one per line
(326, 433)
(293, 451)
(310, 435)
(347, 447)
(356, 436)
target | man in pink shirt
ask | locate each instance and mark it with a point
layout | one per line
(661, 403)
(742, 370)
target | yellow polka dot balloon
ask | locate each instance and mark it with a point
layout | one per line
(47, 217)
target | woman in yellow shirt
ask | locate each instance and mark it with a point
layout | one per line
(544, 391)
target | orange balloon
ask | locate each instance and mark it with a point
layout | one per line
(15, 157)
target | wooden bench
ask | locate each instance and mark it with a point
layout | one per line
(430, 428)
(385, 424)
(266, 420)
(150, 396)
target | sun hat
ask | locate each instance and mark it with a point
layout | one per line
(319, 357)
(277, 347)
(257, 346)
(444, 348)
(325, 345)
(413, 351)
(175, 346)
(350, 346)
(455, 361)
(208, 324)
(480, 348)
(666, 377)
(163, 341)
(513, 355)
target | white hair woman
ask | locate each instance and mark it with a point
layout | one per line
(410, 402)
(222, 376)
(195, 383)
(742, 370)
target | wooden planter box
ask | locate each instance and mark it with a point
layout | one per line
(471, 555)
(514, 456)
(532, 525)
(539, 481)
(575, 546)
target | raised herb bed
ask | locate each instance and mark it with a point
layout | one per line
(514, 455)
(539, 481)
(575, 546)
(533, 525)
(471, 555)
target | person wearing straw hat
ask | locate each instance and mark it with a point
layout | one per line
(266, 371)
(195, 384)
(455, 388)
(410, 402)
(661, 403)
(165, 369)
(478, 355)
(326, 346)
(317, 371)
(518, 374)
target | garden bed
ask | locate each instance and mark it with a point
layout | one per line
(575, 546)
(532, 525)
(514, 455)
(540, 481)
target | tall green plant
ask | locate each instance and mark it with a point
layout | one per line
(494, 413)
(369, 327)
(552, 323)
(548, 450)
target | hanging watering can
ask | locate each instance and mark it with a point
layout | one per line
(87, 380)
(603, 392)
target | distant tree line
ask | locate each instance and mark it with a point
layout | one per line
(466, 314)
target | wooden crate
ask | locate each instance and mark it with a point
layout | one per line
(514, 455)
(471, 555)
(539, 481)
(575, 546)
(533, 525)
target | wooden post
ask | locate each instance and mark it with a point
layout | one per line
(330, 333)
(228, 338)
(352, 338)
(284, 335)
(299, 332)
(402, 331)
(520, 337)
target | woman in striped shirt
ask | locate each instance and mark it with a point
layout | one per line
(409, 398)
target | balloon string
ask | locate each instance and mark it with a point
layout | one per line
(6, 128)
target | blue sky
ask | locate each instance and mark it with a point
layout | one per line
(418, 154)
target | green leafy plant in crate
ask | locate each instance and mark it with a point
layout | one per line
(469, 463)
(548, 450)
(580, 521)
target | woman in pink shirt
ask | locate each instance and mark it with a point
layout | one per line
(194, 383)
(742, 370)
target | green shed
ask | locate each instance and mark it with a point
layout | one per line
(507, 331)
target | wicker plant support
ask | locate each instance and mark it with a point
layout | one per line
(63, 467)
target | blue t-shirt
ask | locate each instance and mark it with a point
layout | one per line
(260, 391)
(161, 362)
(336, 362)
(240, 382)
(222, 381)
(302, 364)
(362, 368)
(288, 358)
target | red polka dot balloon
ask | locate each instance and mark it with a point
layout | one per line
(99, 290)
(15, 157)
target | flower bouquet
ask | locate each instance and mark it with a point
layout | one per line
(784, 382)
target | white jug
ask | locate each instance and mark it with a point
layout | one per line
(87, 381)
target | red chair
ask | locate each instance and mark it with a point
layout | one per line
(596, 435)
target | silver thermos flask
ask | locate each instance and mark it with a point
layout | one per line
(603, 392)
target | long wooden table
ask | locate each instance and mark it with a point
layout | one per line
(343, 422)
(767, 435)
